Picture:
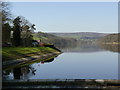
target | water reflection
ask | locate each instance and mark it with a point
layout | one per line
(23, 72)
(19, 72)
(48, 61)
(111, 47)
(89, 46)
(73, 65)
(86, 46)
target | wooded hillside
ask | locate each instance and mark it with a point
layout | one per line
(111, 39)
(52, 39)
(81, 35)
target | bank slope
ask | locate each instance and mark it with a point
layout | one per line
(14, 56)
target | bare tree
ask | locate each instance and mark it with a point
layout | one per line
(5, 9)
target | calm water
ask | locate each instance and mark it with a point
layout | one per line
(74, 63)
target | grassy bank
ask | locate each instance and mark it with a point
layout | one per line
(14, 53)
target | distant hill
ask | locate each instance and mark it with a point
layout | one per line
(52, 39)
(110, 42)
(67, 39)
(111, 39)
(81, 35)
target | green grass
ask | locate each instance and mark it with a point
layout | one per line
(12, 53)
(36, 38)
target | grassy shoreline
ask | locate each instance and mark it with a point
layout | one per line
(14, 53)
(20, 56)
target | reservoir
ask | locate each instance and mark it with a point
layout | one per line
(80, 62)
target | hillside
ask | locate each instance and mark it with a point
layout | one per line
(52, 39)
(67, 39)
(111, 39)
(81, 35)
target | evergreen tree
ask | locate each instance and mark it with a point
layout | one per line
(17, 31)
(6, 29)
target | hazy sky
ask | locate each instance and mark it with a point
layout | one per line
(69, 16)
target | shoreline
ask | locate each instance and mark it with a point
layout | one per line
(112, 43)
(32, 58)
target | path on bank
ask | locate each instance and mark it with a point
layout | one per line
(29, 58)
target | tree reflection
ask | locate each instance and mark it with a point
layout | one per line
(17, 73)
(111, 47)
(48, 61)
(22, 72)
(82, 46)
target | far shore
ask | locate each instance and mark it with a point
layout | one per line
(114, 43)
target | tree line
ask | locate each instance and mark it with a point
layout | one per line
(17, 31)
(111, 38)
(57, 41)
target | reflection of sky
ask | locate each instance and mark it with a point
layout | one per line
(7, 77)
(100, 65)
(71, 65)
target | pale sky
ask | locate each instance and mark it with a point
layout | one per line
(69, 16)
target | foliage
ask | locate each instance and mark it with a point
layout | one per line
(81, 35)
(6, 18)
(111, 38)
(5, 9)
(26, 33)
(52, 39)
(19, 28)
(16, 33)
(6, 29)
